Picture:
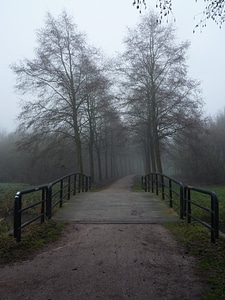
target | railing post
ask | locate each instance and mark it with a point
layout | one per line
(162, 184)
(49, 202)
(43, 199)
(82, 182)
(152, 183)
(214, 217)
(145, 183)
(185, 202)
(157, 184)
(61, 193)
(79, 183)
(74, 184)
(17, 217)
(171, 193)
(189, 205)
(68, 190)
(181, 201)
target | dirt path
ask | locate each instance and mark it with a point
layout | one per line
(106, 261)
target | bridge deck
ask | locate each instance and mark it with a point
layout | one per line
(117, 205)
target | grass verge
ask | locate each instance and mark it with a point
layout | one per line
(34, 238)
(210, 257)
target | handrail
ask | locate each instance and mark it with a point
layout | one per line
(169, 187)
(213, 211)
(19, 209)
(173, 189)
(71, 183)
(51, 195)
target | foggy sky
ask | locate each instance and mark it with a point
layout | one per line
(105, 23)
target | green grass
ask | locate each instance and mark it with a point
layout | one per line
(210, 257)
(196, 241)
(7, 196)
(194, 237)
(34, 238)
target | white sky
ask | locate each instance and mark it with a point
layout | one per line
(105, 22)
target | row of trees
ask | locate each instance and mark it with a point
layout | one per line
(44, 163)
(199, 155)
(105, 118)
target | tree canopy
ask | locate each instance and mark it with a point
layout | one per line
(161, 99)
(214, 9)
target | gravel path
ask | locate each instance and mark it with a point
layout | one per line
(106, 261)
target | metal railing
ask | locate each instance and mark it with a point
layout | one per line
(211, 212)
(39, 202)
(22, 217)
(169, 188)
(180, 196)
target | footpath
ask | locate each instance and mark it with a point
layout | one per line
(114, 247)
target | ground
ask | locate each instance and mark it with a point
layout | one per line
(106, 261)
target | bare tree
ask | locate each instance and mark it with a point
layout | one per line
(95, 108)
(160, 97)
(56, 79)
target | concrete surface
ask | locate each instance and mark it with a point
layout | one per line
(108, 261)
(117, 204)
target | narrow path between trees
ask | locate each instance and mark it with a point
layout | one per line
(107, 260)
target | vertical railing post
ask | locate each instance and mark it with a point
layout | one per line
(68, 188)
(182, 201)
(148, 183)
(17, 216)
(214, 217)
(49, 202)
(145, 182)
(61, 193)
(82, 182)
(185, 202)
(74, 184)
(171, 193)
(79, 183)
(157, 184)
(162, 184)
(43, 200)
(86, 183)
(212, 221)
(152, 177)
(189, 205)
(216, 210)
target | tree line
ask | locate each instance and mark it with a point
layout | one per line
(106, 117)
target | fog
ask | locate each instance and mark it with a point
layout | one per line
(105, 25)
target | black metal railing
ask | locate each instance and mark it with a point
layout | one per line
(62, 188)
(180, 196)
(204, 214)
(169, 188)
(39, 202)
(31, 210)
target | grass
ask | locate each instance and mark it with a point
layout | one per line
(196, 241)
(7, 194)
(210, 257)
(34, 238)
(194, 237)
